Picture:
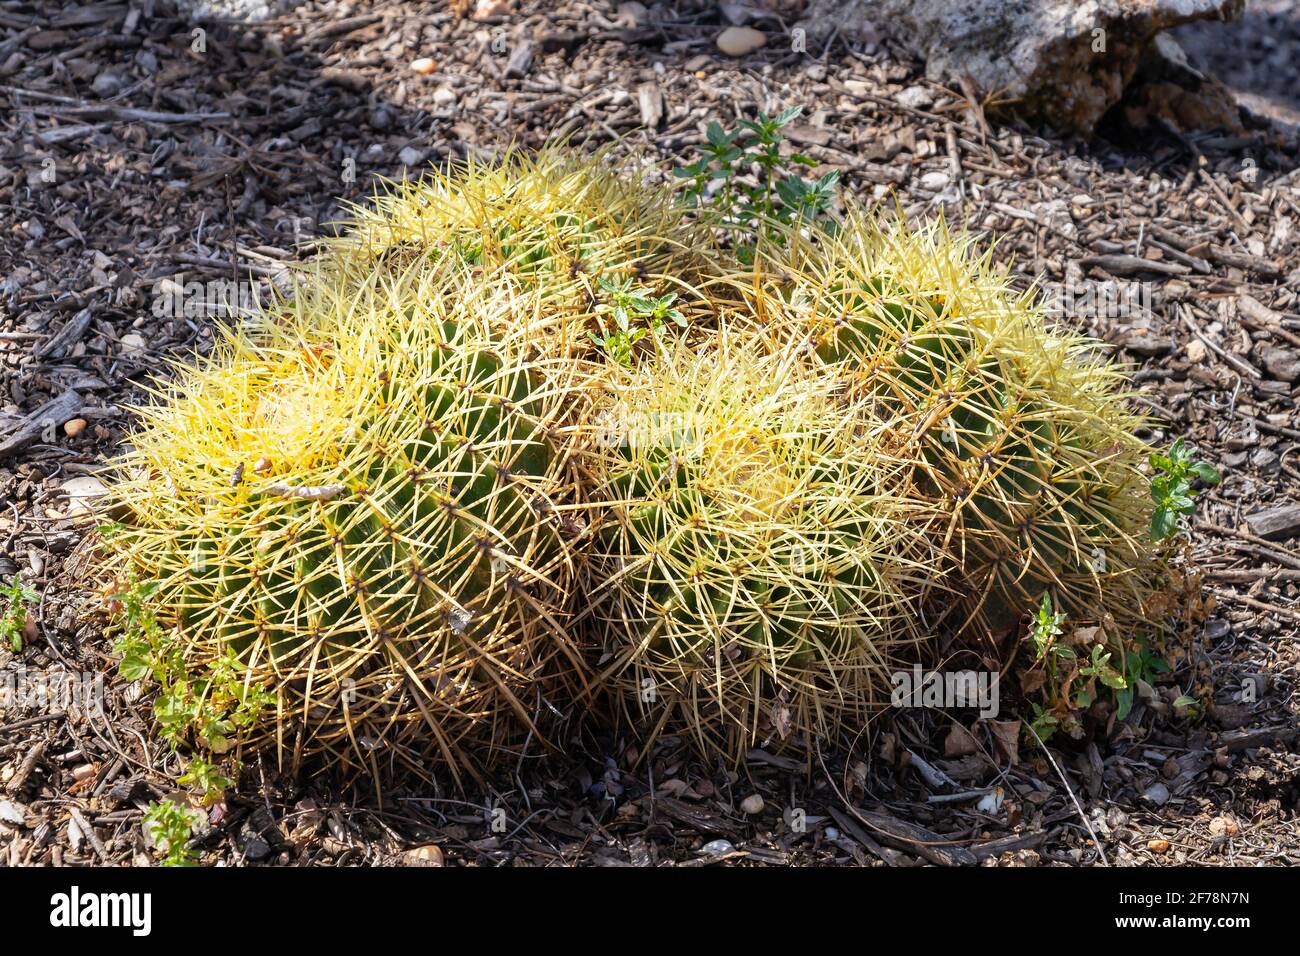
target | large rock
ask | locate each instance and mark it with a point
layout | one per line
(1066, 61)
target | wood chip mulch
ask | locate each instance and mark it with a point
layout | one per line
(134, 150)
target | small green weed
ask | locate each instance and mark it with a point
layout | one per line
(1171, 487)
(777, 194)
(636, 314)
(1140, 664)
(14, 622)
(204, 710)
(1073, 678)
(170, 826)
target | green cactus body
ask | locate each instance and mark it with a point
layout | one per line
(387, 557)
(751, 581)
(1027, 446)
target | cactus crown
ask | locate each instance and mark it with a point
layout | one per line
(552, 217)
(562, 228)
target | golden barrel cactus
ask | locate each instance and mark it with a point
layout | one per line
(366, 510)
(752, 579)
(1019, 432)
(566, 226)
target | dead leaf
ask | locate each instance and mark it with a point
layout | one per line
(1084, 636)
(1006, 737)
(781, 719)
(1033, 680)
(959, 742)
(888, 748)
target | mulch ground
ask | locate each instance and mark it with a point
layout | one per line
(134, 150)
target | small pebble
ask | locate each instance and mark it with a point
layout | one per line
(108, 84)
(424, 66)
(132, 342)
(914, 97)
(1157, 793)
(1224, 827)
(717, 848)
(410, 156)
(12, 813)
(632, 14)
(423, 856)
(74, 427)
(737, 41)
(752, 804)
(1158, 846)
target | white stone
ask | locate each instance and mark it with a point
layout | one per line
(410, 156)
(737, 41)
(1042, 52)
(915, 97)
(132, 342)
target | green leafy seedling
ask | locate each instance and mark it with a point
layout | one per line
(750, 207)
(14, 622)
(1046, 627)
(1140, 664)
(170, 826)
(205, 708)
(1097, 668)
(636, 313)
(1171, 487)
(207, 779)
(1044, 724)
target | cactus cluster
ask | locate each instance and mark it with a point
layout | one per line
(422, 507)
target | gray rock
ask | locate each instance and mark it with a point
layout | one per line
(915, 97)
(108, 84)
(254, 847)
(1275, 524)
(249, 11)
(12, 813)
(1265, 460)
(1157, 794)
(1066, 61)
(410, 156)
(1282, 364)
